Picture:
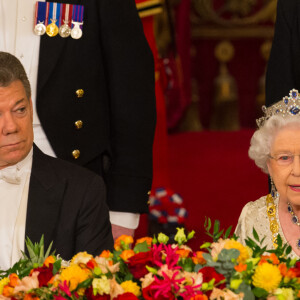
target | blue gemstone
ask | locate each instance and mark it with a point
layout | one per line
(277, 111)
(290, 209)
(295, 219)
(286, 100)
(294, 110)
(273, 194)
(298, 243)
(294, 94)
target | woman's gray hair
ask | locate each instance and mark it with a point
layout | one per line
(262, 139)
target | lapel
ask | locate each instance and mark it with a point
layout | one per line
(45, 196)
(51, 49)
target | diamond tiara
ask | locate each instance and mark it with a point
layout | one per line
(288, 106)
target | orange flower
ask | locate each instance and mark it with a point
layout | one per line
(126, 239)
(264, 259)
(13, 279)
(8, 291)
(183, 253)
(199, 297)
(291, 273)
(298, 295)
(283, 269)
(240, 267)
(274, 259)
(126, 254)
(106, 254)
(49, 260)
(31, 297)
(146, 239)
(198, 259)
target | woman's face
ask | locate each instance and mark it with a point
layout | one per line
(286, 175)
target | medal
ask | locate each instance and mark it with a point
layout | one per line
(52, 29)
(40, 18)
(77, 22)
(39, 29)
(76, 32)
(65, 29)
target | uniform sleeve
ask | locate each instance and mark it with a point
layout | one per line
(280, 77)
(130, 68)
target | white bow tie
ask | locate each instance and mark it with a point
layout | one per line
(10, 175)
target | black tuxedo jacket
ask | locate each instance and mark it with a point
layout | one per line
(113, 64)
(67, 204)
(283, 72)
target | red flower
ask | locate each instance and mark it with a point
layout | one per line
(137, 264)
(126, 296)
(91, 264)
(209, 273)
(149, 293)
(45, 274)
(90, 296)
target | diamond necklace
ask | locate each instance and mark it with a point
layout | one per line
(295, 220)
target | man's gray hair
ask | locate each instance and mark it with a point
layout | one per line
(263, 138)
(11, 70)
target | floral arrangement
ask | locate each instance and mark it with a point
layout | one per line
(150, 268)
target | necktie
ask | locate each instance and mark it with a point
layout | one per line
(10, 175)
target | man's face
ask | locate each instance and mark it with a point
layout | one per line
(16, 132)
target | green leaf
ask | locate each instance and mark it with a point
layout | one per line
(255, 235)
(246, 290)
(288, 250)
(216, 226)
(207, 224)
(205, 245)
(56, 266)
(141, 247)
(227, 233)
(260, 293)
(218, 235)
(85, 283)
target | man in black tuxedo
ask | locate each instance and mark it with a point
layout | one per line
(94, 97)
(283, 71)
(41, 194)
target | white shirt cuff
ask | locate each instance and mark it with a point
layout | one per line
(124, 219)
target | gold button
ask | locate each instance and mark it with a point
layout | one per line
(80, 93)
(76, 153)
(78, 124)
(149, 192)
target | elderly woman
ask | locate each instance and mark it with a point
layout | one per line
(275, 148)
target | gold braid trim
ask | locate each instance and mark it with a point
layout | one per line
(271, 212)
(149, 8)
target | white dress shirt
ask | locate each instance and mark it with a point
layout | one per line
(17, 38)
(13, 199)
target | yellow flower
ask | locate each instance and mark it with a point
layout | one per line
(131, 287)
(101, 285)
(74, 275)
(3, 282)
(267, 276)
(284, 294)
(81, 258)
(244, 251)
